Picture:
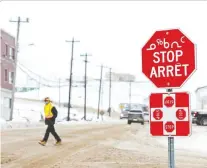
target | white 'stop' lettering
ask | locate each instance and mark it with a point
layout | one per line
(171, 55)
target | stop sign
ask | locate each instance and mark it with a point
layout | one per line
(158, 114)
(169, 126)
(180, 114)
(168, 101)
(168, 58)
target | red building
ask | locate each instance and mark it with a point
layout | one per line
(7, 72)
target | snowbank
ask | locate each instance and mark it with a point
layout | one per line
(20, 122)
(3, 123)
(33, 111)
(28, 113)
(196, 142)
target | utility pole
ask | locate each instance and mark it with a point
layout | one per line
(19, 21)
(70, 78)
(85, 82)
(99, 95)
(130, 93)
(109, 92)
(59, 93)
(39, 85)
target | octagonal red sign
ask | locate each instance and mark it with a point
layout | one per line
(168, 58)
(169, 126)
(158, 114)
(169, 101)
(180, 114)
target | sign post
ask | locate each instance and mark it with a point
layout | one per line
(171, 148)
(168, 61)
(171, 153)
(170, 120)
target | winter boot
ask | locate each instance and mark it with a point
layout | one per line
(58, 142)
(41, 142)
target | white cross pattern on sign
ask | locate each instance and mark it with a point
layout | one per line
(169, 114)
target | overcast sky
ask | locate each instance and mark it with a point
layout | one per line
(112, 32)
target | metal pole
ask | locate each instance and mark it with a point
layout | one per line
(110, 92)
(70, 81)
(15, 61)
(59, 92)
(171, 150)
(39, 87)
(99, 95)
(85, 82)
(70, 78)
(130, 94)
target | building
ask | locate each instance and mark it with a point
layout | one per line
(120, 76)
(201, 97)
(7, 73)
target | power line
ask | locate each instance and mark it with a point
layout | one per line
(36, 73)
(90, 78)
(20, 65)
(78, 81)
(38, 82)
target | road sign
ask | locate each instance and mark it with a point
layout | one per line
(169, 126)
(173, 119)
(180, 114)
(157, 114)
(169, 101)
(168, 58)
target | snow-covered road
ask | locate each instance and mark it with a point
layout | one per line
(104, 145)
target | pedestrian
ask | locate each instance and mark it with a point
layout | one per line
(50, 113)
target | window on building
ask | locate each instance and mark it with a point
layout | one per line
(10, 52)
(13, 53)
(5, 75)
(7, 49)
(11, 77)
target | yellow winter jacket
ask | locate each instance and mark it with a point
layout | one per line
(48, 110)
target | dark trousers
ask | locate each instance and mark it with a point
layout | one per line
(51, 129)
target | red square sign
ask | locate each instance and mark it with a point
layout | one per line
(170, 114)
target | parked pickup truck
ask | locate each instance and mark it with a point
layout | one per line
(200, 117)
